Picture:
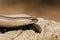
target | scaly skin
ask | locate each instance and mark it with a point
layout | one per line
(10, 23)
(16, 21)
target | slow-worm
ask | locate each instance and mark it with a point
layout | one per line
(8, 22)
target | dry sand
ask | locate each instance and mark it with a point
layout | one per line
(50, 30)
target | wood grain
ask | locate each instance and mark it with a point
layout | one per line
(42, 8)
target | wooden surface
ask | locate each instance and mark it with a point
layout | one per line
(33, 9)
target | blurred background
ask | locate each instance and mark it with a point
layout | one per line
(48, 9)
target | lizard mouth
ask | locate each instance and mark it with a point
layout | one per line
(33, 27)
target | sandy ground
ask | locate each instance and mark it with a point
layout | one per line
(49, 31)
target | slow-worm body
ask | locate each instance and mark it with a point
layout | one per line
(24, 22)
(16, 21)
